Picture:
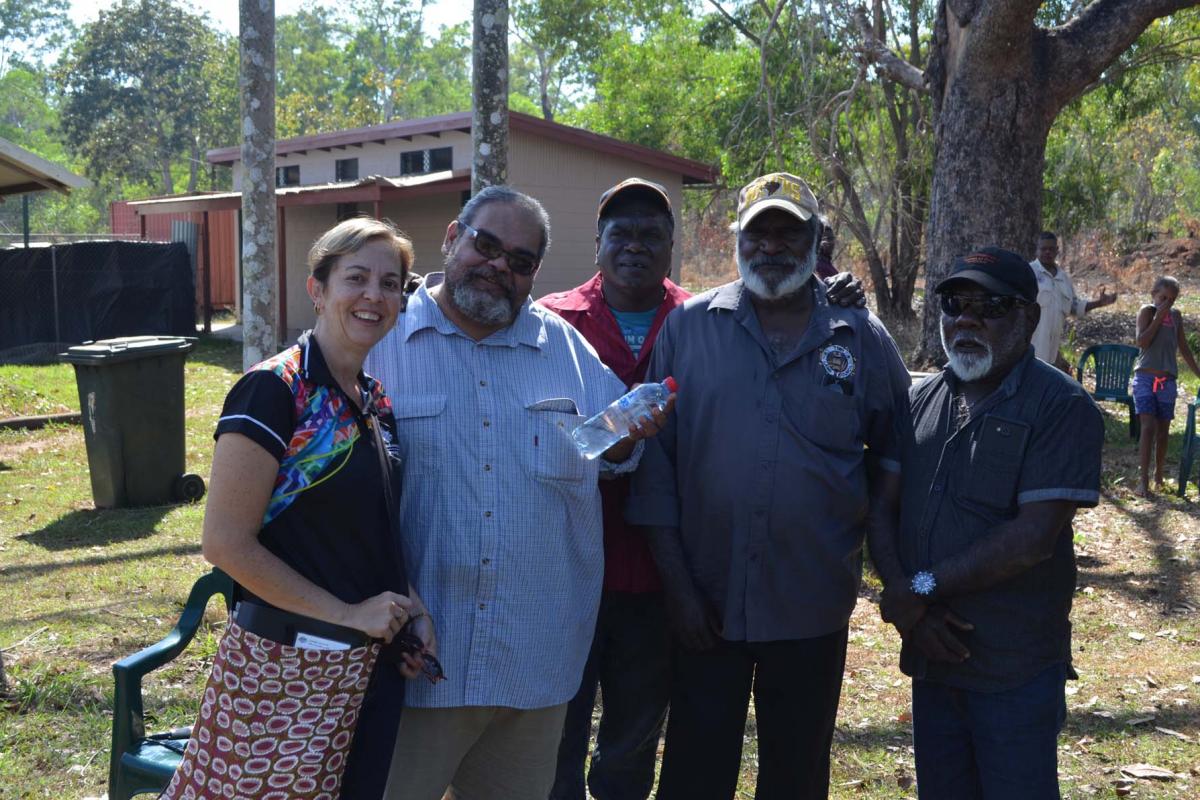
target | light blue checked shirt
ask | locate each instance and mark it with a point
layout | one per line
(500, 513)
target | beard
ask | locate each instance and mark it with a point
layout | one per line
(1002, 354)
(776, 288)
(476, 304)
(967, 367)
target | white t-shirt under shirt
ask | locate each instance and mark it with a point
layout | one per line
(1056, 296)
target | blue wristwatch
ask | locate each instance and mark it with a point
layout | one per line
(923, 584)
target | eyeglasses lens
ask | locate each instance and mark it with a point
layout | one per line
(489, 247)
(989, 307)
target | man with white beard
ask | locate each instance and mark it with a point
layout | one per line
(785, 440)
(979, 580)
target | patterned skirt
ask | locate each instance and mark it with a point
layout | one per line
(276, 722)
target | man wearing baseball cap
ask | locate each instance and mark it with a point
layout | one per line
(620, 311)
(979, 579)
(756, 496)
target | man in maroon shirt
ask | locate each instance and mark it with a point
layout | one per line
(620, 311)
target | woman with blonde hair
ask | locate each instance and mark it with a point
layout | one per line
(304, 696)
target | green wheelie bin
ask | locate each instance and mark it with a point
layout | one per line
(131, 399)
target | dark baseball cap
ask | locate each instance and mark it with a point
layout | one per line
(1000, 271)
(640, 187)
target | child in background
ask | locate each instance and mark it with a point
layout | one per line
(1159, 335)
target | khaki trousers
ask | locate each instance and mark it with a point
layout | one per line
(475, 753)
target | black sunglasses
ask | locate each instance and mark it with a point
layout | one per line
(411, 644)
(490, 247)
(989, 306)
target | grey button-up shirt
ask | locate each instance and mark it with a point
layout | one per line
(762, 467)
(1038, 437)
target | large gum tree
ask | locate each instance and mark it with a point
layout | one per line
(998, 80)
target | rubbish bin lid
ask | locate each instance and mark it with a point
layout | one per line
(126, 348)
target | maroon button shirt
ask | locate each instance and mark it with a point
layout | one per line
(628, 563)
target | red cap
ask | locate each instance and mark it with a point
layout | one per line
(671, 385)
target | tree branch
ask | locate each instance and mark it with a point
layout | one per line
(876, 52)
(735, 22)
(1083, 48)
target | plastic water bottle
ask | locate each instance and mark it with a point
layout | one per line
(612, 424)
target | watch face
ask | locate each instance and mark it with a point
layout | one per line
(923, 583)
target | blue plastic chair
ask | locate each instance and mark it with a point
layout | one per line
(1191, 445)
(141, 763)
(1114, 369)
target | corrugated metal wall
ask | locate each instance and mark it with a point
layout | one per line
(222, 234)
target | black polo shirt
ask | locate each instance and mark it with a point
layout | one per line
(328, 516)
(1038, 437)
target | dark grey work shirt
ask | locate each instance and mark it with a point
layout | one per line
(1036, 438)
(762, 466)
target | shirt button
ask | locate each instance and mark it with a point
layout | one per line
(482, 606)
(487, 424)
(483, 383)
(487, 513)
(937, 487)
(487, 561)
(487, 467)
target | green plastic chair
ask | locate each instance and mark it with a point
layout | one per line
(1114, 368)
(1191, 445)
(141, 763)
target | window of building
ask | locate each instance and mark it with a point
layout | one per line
(345, 169)
(420, 162)
(287, 176)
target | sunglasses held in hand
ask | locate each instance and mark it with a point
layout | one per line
(490, 247)
(411, 644)
(990, 306)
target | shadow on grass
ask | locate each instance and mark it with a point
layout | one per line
(5, 467)
(1080, 722)
(93, 527)
(22, 571)
(1166, 583)
(218, 353)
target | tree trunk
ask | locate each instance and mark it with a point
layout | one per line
(194, 166)
(993, 117)
(164, 170)
(260, 323)
(489, 102)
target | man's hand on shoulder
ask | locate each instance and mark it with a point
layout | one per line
(845, 290)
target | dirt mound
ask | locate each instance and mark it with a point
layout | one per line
(1092, 263)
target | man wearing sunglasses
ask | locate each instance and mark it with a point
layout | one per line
(979, 579)
(500, 512)
(755, 498)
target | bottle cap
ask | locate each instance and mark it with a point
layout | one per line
(671, 385)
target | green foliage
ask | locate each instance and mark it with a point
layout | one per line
(135, 90)
(1126, 157)
(29, 30)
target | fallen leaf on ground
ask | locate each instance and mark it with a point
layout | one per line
(1140, 720)
(1180, 736)
(1137, 637)
(1148, 772)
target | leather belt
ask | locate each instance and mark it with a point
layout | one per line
(284, 626)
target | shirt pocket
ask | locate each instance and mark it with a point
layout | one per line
(997, 454)
(549, 451)
(420, 424)
(829, 419)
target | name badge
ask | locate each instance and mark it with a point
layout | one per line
(310, 642)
